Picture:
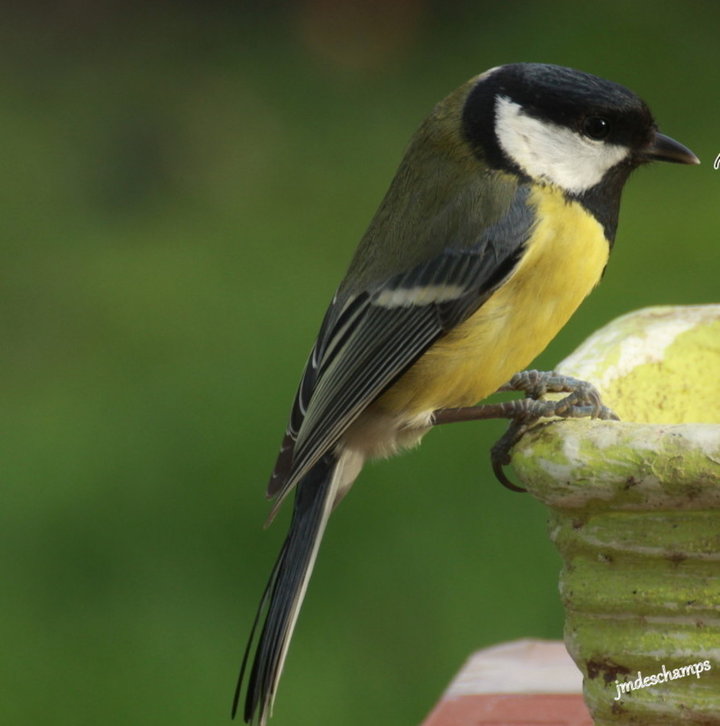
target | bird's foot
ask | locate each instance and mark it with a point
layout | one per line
(583, 400)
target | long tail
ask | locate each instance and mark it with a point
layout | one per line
(285, 590)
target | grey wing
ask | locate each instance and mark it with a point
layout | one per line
(368, 341)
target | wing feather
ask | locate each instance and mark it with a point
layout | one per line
(369, 340)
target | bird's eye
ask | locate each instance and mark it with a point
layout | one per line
(596, 127)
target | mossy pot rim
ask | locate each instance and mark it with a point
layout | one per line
(621, 464)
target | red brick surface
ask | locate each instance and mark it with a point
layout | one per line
(522, 683)
(511, 710)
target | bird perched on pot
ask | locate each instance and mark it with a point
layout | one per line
(497, 225)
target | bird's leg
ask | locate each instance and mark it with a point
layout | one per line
(583, 400)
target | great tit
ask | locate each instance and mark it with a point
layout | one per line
(498, 223)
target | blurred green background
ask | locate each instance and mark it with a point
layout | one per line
(182, 186)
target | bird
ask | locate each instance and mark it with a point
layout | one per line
(498, 223)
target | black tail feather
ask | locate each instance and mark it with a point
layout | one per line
(284, 592)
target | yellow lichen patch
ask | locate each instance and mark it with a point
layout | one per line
(658, 365)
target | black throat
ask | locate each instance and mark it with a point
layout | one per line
(603, 200)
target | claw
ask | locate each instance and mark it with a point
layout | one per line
(607, 414)
(500, 452)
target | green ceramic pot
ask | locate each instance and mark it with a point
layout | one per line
(635, 514)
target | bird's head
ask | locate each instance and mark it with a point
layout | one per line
(564, 127)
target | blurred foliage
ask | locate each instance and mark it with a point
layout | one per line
(183, 184)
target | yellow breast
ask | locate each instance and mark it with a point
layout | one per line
(564, 260)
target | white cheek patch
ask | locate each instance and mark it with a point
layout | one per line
(547, 151)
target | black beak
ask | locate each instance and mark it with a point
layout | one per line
(663, 148)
